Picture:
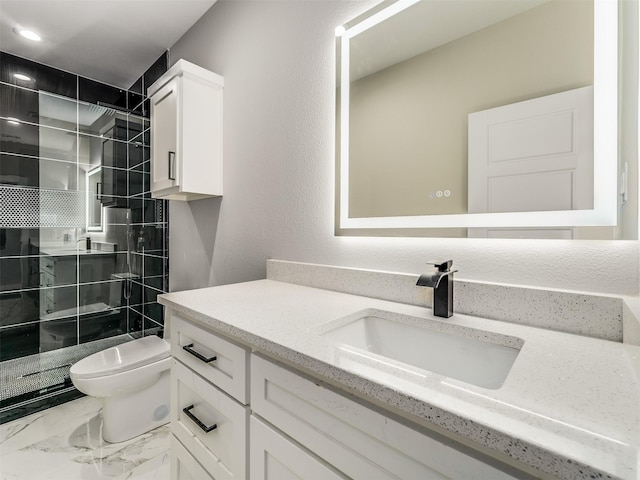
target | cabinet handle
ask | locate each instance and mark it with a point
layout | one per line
(187, 412)
(99, 191)
(199, 356)
(172, 165)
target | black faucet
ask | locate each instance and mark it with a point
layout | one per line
(442, 283)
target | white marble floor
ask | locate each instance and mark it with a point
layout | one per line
(65, 443)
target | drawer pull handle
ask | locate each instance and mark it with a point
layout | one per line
(187, 412)
(199, 356)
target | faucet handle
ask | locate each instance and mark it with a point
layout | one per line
(442, 267)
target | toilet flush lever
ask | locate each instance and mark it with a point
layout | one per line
(199, 356)
(196, 420)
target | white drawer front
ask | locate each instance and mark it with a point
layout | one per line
(273, 457)
(223, 450)
(184, 466)
(356, 440)
(229, 369)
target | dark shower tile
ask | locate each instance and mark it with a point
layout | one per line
(136, 156)
(135, 100)
(91, 91)
(94, 296)
(136, 183)
(136, 322)
(19, 241)
(43, 77)
(152, 327)
(154, 311)
(97, 267)
(58, 333)
(19, 103)
(155, 282)
(155, 210)
(136, 127)
(153, 240)
(19, 341)
(136, 87)
(115, 216)
(58, 270)
(135, 298)
(121, 261)
(95, 326)
(19, 273)
(146, 108)
(58, 302)
(23, 139)
(18, 170)
(137, 208)
(155, 71)
(19, 307)
(153, 266)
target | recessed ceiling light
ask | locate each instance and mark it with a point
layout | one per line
(29, 34)
(23, 77)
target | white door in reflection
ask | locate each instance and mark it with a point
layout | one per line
(532, 156)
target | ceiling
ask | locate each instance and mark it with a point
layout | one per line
(113, 41)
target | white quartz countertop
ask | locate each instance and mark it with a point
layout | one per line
(570, 406)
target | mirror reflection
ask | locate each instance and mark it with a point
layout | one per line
(95, 216)
(474, 107)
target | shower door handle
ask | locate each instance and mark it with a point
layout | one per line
(199, 356)
(196, 420)
(171, 163)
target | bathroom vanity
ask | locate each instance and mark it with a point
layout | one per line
(272, 379)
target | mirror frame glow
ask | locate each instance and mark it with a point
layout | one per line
(605, 186)
(90, 200)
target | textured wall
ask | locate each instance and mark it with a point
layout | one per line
(278, 59)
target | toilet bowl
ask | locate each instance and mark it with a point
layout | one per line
(133, 381)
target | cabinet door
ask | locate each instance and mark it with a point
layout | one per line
(273, 457)
(210, 424)
(165, 171)
(183, 465)
(356, 440)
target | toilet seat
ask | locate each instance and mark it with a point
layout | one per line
(121, 358)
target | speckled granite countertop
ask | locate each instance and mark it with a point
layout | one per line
(570, 406)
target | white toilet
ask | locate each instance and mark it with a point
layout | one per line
(133, 380)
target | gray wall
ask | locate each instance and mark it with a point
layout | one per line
(278, 59)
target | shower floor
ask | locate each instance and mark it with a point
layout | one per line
(32, 378)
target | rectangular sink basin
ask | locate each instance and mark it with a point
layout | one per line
(473, 356)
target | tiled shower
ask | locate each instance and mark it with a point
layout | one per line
(83, 246)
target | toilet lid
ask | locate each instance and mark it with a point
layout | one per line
(121, 358)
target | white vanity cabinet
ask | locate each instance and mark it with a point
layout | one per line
(209, 418)
(358, 441)
(283, 425)
(186, 133)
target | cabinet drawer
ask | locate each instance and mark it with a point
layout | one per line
(273, 457)
(183, 465)
(223, 450)
(358, 441)
(229, 369)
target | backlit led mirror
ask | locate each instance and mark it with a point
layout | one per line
(480, 118)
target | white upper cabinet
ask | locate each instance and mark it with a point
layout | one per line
(186, 133)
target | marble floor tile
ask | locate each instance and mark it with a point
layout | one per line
(65, 442)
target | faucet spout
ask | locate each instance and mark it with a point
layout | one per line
(442, 283)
